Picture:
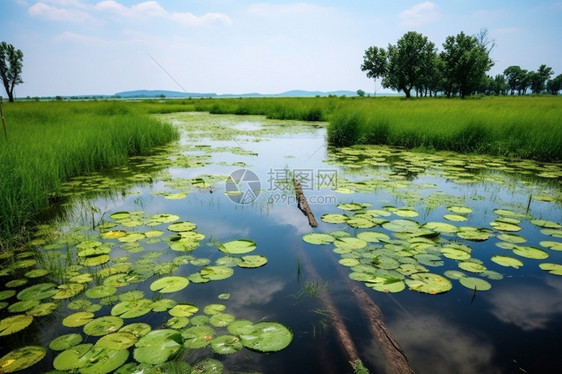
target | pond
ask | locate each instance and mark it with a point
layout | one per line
(199, 256)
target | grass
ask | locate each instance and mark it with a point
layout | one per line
(523, 127)
(50, 142)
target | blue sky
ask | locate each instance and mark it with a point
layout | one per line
(74, 47)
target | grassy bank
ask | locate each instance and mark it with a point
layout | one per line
(526, 127)
(49, 142)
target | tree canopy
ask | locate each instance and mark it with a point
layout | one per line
(11, 64)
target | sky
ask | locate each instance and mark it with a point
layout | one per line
(85, 47)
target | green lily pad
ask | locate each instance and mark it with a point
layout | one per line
(38, 292)
(546, 224)
(99, 292)
(238, 246)
(158, 346)
(350, 243)
(334, 218)
(555, 269)
(429, 283)
(138, 329)
(22, 306)
(512, 238)
(198, 336)
(102, 360)
(182, 226)
(454, 274)
(240, 327)
(72, 358)
(42, 310)
(103, 325)
(16, 283)
(113, 234)
(252, 261)
(221, 319)
(14, 324)
(213, 309)
(530, 252)
(37, 273)
(132, 308)
(216, 272)
(226, 344)
(507, 261)
(504, 226)
(6, 294)
(117, 341)
(22, 358)
(475, 283)
(373, 236)
(78, 319)
(224, 296)
(455, 254)
(472, 267)
(183, 310)
(65, 342)
(440, 227)
(169, 284)
(66, 291)
(361, 223)
(318, 238)
(351, 206)
(401, 225)
(267, 337)
(555, 246)
(208, 366)
(455, 217)
(95, 260)
(177, 322)
(387, 284)
(474, 234)
(459, 209)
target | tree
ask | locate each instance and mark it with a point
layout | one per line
(409, 62)
(374, 62)
(500, 86)
(466, 63)
(11, 63)
(514, 75)
(554, 85)
(360, 93)
(538, 79)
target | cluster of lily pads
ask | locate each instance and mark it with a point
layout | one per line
(407, 259)
(95, 278)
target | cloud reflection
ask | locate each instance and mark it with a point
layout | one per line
(434, 345)
(529, 308)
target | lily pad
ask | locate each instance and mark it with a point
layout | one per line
(132, 308)
(373, 236)
(252, 261)
(507, 261)
(65, 342)
(207, 366)
(183, 310)
(221, 319)
(472, 267)
(38, 292)
(158, 346)
(169, 284)
(182, 226)
(351, 206)
(103, 325)
(555, 246)
(22, 306)
(318, 238)
(455, 217)
(555, 269)
(350, 243)
(117, 341)
(216, 272)
(334, 218)
(474, 234)
(42, 310)
(22, 358)
(99, 292)
(238, 246)
(267, 337)
(66, 291)
(401, 225)
(226, 344)
(504, 226)
(14, 324)
(530, 252)
(198, 336)
(429, 283)
(459, 209)
(78, 319)
(138, 329)
(475, 283)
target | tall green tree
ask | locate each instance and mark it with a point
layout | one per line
(514, 75)
(374, 62)
(538, 79)
(11, 64)
(409, 62)
(466, 63)
(554, 85)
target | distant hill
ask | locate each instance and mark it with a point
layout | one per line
(177, 94)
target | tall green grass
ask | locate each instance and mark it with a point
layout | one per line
(525, 127)
(49, 142)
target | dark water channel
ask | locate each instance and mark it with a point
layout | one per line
(232, 177)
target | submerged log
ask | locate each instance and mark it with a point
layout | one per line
(303, 204)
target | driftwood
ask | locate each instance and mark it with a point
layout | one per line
(303, 204)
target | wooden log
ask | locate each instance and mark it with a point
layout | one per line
(303, 204)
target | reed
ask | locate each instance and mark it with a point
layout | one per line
(50, 142)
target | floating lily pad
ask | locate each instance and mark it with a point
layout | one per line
(507, 261)
(208, 366)
(455, 254)
(350, 243)
(78, 319)
(38, 292)
(429, 283)
(512, 238)
(555, 269)
(169, 284)
(138, 329)
(455, 217)
(267, 337)
(387, 284)
(157, 346)
(221, 319)
(475, 283)
(546, 224)
(42, 310)
(474, 234)
(252, 261)
(113, 234)
(95, 260)
(22, 306)
(65, 342)
(6, 294)
(163, 305)
(334, 218)
(401, 225)
(66, 291)
(22, 358)
(318, 238)
(530, 252)
(240, 327)
(472, 267)
(183, 310)
(103, 325)
(224, 296)
(216, 272)
(37, 273)
(99, 292)
(16, 283)
(117, 341)
(132, 308)
(226, 344)
(239, 246)
(351, 206)
(504, 226)
(361, 223)
(454, 274)
(182, 226)
(14, 324)
(555, 246)
(373, 236)
(459, 209)
(198, 336)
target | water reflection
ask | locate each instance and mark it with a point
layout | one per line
(526, 306)
(435, 345)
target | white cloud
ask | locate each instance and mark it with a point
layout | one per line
(59, 14)
(153, 10)
(418, 15)
(274, 10)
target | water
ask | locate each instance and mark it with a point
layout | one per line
(514, 326)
